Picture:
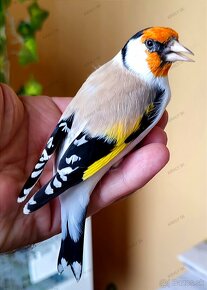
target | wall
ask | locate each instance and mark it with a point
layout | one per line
(136, 240)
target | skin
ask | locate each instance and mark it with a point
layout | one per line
(25, 125)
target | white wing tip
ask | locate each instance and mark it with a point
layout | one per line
(21, 199)
(26, 210)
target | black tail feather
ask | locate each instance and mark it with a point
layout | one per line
(71, 253)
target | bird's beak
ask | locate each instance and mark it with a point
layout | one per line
(174, 52)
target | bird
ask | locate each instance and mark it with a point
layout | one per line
(115, 108)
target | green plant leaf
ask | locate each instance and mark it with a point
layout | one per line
(4, 4)
(25, 29)
(31, 88)
(28, 52)
(2, 17)
(37, 15)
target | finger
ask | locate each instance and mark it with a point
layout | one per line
(11, 114)
(163, 121)
(55, 214)
(61, 102)
(134, 172)
(156, 135)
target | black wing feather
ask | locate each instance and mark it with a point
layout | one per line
(85, 150)
(57, 136)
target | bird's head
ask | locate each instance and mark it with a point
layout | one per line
(153, 50)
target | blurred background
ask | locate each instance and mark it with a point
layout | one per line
(135, 241)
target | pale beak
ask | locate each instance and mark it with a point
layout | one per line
(174, 52)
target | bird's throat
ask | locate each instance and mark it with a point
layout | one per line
(157, 66)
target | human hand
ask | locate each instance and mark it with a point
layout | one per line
(25, 125)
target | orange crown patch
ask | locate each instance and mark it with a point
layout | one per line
(161, 34)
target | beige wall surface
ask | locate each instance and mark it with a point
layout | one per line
(136, 241)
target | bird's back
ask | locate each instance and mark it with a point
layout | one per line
(111, 93)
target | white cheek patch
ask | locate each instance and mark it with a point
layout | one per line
(136, 60)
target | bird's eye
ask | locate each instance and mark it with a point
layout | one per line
(149, 43)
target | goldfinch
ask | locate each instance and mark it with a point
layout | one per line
(112, 112)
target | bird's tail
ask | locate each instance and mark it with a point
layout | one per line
(71, 253)
(74, 203)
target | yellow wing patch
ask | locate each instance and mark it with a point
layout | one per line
(96, 166)
(121, 131)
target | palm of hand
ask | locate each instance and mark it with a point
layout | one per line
(25, 125)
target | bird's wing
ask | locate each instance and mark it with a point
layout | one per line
(58, 135)
(87, 154)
